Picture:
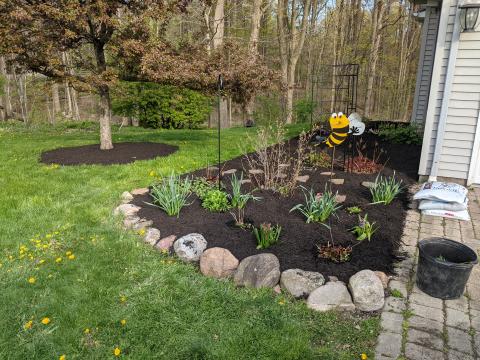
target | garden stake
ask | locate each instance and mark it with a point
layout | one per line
(220, 88)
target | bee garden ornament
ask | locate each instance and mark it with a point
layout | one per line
(339, 124)
(357, 127)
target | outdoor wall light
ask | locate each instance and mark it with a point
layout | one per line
(469, 10)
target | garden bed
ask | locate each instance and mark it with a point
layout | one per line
(298, 243)
(122, 153)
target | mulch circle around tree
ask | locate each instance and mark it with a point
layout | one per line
(122, 153)
(298, 243)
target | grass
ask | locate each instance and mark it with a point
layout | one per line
(171, 311)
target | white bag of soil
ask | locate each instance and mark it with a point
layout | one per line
(441, 191)
(458, 215)
(441, 205)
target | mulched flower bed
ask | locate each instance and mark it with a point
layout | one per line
(122, 153)
(298, 241)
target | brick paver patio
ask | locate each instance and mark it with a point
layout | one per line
(416, 326)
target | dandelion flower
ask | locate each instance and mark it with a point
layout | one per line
(41, 261)
(282, 302)
(123, 322)
(152, 173)
(71, 257)
(31, 280)
(68, 253)
(86, 331)
(58, 260)
(364, 356)
(62, 357)
(141, 232)
(46, 321)
(28, 325)
(117, 351)
(123, 298)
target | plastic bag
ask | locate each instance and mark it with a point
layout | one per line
(441, 205)
(458, 215)
(441, 191)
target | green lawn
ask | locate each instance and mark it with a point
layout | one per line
(171, 311)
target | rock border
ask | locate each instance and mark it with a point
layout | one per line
(365, 291)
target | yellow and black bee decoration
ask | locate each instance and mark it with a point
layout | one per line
(339, 124)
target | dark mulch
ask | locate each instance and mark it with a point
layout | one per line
(122, 153)
(298, 242)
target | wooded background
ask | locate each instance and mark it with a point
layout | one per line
(302, 41)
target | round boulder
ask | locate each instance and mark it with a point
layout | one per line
(190, 247)
(218, 263)
(301, 283)
(331, 296)
(262, 270)
(367, 291)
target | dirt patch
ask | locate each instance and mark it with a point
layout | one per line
(298, 241)
(122, 153)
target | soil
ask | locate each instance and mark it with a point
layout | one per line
(298, 243)
(122, 153)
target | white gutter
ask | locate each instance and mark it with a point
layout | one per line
(452, 59)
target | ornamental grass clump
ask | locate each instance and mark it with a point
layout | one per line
(238, 200)
(171, 194)
(385, 190)
(267, 235)
(317, 207)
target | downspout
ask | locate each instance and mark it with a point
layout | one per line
(472, 169)
(452, 59)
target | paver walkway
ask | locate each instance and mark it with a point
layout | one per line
(416, 326)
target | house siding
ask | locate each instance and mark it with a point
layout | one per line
(425, 64)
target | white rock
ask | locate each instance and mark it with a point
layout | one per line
(126, 197)
(367, 291)
(262, 270)
(126, 210)
(331, 296)
(301, 283)
(190, 247)
(152, 235)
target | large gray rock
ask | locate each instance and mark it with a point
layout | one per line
(190, 247)
(301, 283)
(367, 291)
(331, 296)
(218, 263)
(262, 270)
(127, 210)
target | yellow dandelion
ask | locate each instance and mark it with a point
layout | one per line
(62, 357)
(28, 325)
(123, 298)
(164, 251)
(282, 302)
(86, 331)
(71, 257)
(141, 232)
(58, 260)
(31, 280)
(41, 261)
(364, 356)
(46, 321)
(49, 236)
(68, 253)
(10, 257)
(123, 322)
(152, 173)
(117, 351)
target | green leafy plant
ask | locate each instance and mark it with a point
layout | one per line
(318, 159)
(401, 133)
(238, 200)
(335, 253)
(171, 194)
(354, 210)
(385, 190)
(317, 208)
(216, 200)
(396, 293)
(267, 235)
(303, 109)
(365, 229)
(201, 186)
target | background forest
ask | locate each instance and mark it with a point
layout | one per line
(305, 45)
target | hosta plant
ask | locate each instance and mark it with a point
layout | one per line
(267, 235)
(317, 207)
(171, 194)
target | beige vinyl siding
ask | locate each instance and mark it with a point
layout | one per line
(463, 109)
(425, 64)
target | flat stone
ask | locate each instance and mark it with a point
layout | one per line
(142, 224)
(368, 184)
(458, 319)
(340, 198)
(229, 172)
(427, 312)
(284, 166)
(460, 304)
(140, 191)
(427, 325)
(421, 298)
(337, 181)
(391, 322)
(367, 291)
(190, 247)
(459, 340)
(331, 296)
(394, 304)
(246, 181)
(301, 283)
(130, 221)
(425, 339)
(152, 235)
(389, 344)
(255, 171)
(457, 355)
(400, 286)
(303, 178)
(262, 270)
(166, 243)
(126, 197)
(126, 210)
(218, 263)
(418, 352)
(327, 173)
(383, 278)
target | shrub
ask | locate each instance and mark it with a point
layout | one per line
(303, 109)
(361, 164)
(318, 159)
(317, 208)
(401, 134)
(239, 200)
(267, 235)
(385, 189)
(365, 229)
(216, 200)
(171, 194)
(161, 106)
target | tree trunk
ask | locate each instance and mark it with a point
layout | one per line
(105, 105)
(55, 102)
(6, 101)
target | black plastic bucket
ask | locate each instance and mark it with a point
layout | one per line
(444, 267)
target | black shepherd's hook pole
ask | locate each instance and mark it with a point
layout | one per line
(220, 88)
